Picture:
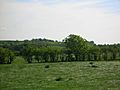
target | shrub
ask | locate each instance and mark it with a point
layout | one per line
(94, 66)
(19, 62)
(47, 66)
(91, 63)
(58, 79)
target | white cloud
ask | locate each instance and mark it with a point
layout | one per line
(30, 20)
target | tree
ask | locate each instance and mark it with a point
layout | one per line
(27, 52)
(37, 53)
(6, 56)
(76, 46)
(114, 49)
(95, 52)
(54, 53)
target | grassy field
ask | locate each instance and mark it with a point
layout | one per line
(61, 76)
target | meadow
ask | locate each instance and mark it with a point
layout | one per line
(100, 75)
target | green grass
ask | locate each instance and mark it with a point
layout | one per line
(61, 76)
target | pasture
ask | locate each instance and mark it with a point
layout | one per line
(61, 76)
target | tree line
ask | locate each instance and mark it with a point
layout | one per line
(72, 48)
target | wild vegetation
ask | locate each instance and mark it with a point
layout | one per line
(42, 64)
(72, 48)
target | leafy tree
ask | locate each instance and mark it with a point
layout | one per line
(6, 56)
(37, 53)
(76, 45)
(54, 52)
(27, 52)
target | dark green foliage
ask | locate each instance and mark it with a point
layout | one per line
(6, 56)
(73, 48)
(76, 46)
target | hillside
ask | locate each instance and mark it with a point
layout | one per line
(61, 76)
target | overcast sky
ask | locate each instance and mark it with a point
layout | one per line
(97, 20)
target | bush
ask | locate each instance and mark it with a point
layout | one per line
(47, 66)
(58, 79)
(91, 63)
(19, 62)
(94, 66)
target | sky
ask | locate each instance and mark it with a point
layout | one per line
(94, 20)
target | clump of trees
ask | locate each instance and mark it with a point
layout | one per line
(72, 48)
